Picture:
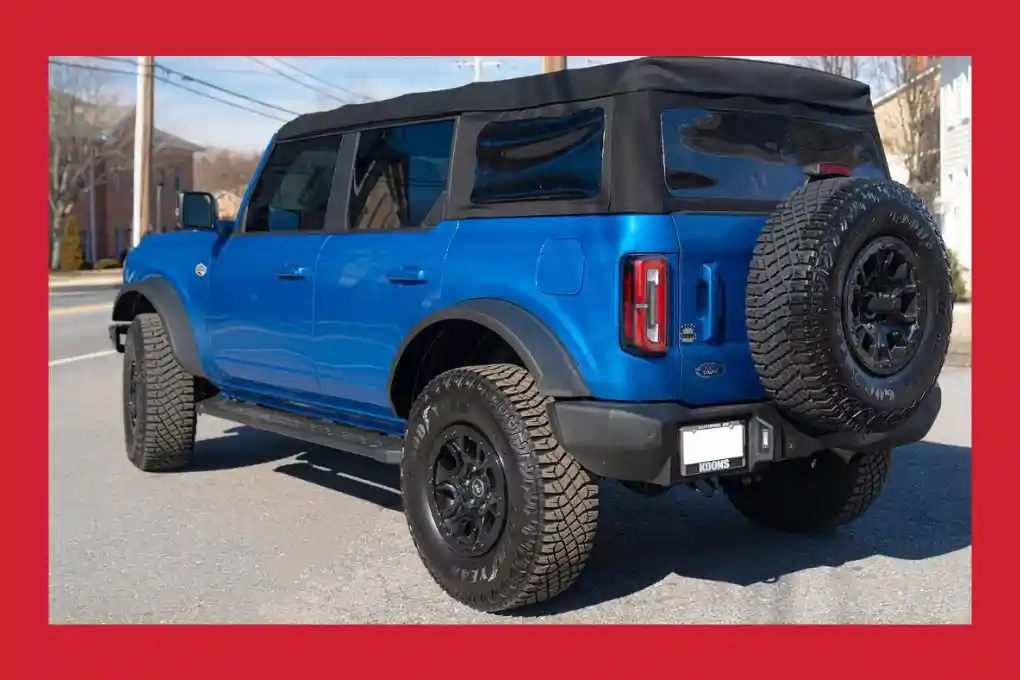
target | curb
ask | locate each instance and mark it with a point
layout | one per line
(960, 341)
(95, 282)
(959, 355)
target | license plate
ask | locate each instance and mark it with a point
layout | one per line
(718, 447)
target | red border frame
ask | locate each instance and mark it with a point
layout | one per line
(109, 28)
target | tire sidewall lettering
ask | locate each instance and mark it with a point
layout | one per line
(470, 400)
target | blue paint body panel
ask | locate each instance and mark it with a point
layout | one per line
(328, 339)
(561, 267)
(313, 322)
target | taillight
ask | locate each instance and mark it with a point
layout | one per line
(827, 171)
(645, 304)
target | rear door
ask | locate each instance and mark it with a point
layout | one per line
(727, 170)
(381, 276)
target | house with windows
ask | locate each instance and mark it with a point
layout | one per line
(908, 121)
(104, 211)
(955, 149)
(929, 119)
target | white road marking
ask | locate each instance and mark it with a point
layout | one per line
(82, 357)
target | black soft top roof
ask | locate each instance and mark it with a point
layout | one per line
(719, 76)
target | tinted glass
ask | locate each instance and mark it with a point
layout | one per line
(749, 155)
(540, 158)
(293, 189)
(400, 175)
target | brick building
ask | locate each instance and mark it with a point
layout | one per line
(105, 210)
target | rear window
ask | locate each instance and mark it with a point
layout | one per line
(750, 155)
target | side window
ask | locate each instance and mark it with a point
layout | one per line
(400, 175)
(540, 158)
(293, 190)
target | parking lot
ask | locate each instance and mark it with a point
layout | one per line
(267, 530)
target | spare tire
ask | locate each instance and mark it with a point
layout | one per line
(849, 304)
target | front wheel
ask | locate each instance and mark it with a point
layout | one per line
(813, 494)
(500, 514)
(159, 399)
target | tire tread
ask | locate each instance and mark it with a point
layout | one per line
(168, 412)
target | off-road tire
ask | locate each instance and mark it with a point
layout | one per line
(163, 434)
(810, 495)
(553, 501)
(794, 304)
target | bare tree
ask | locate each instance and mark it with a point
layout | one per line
(848, 67)
(85, 143)
(224, 170)
(913, 94)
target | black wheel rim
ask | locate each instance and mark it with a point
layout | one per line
(132, 395)
(883, 307)
(467, 491)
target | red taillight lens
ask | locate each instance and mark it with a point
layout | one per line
(645, 304)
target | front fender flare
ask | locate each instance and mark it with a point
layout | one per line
(168, 304)
(542, 353)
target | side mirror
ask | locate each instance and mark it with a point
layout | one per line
(197, 210)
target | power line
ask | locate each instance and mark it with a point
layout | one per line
(291, 78)
(320, 80)
(477, 63)
(209, 69)
(122, 60)
(199, 81)
(164, 79)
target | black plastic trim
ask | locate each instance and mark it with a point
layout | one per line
(167, 303)
(464, 164)
(538, 347)
(380, 447)
(640, 442)
(118, 335)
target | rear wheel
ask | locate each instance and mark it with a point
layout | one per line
(159, 399)
(813, 494)
(500, 514)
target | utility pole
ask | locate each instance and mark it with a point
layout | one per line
(550, 64)
(477, 63)
(143, 149)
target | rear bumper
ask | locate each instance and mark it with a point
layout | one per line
(641, 442)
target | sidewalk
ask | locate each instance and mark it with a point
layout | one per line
(88, 279)
(959, 341)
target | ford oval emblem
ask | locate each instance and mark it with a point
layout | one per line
(709, 369)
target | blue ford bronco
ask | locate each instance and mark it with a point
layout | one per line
(668, 271)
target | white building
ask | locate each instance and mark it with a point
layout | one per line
(955, 153)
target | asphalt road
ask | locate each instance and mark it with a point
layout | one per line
(78, 322)
(266, 530)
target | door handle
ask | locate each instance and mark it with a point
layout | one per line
(293, 272)
(407, 275)
(713, 308)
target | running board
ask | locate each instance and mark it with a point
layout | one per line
(380, 447)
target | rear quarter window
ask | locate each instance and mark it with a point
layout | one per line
(544, 158)
(752, 155)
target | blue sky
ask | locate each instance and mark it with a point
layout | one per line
(212, 123)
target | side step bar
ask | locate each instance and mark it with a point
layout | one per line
(380, 447)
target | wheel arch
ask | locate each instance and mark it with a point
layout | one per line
(538, 348)
(157, 295)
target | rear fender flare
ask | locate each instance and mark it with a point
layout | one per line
(542, 353)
